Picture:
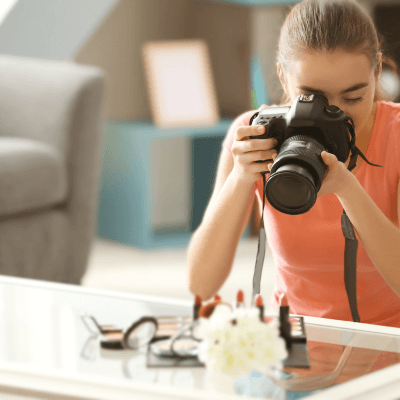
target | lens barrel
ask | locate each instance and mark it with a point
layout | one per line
(296, 175)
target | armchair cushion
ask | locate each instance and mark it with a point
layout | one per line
(32, 175)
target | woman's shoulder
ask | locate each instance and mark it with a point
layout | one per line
(388, 114)
(388, 125)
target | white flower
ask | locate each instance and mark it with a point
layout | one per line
(236, 343)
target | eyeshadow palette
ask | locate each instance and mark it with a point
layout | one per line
(167, 326)
(298, 352)
(298, 331)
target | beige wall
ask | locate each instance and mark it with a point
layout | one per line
(226, 29)
(266, 23)
(232, 32)
(116, 48)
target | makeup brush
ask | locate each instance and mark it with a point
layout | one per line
(259, 303)
(284, 322)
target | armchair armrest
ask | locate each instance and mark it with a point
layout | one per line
(59, 103)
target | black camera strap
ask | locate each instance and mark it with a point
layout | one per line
(350, 254)
(351, 242)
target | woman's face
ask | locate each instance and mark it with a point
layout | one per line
(347, 80)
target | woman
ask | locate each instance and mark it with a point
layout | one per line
(331, 48)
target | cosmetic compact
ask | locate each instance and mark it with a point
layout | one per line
(140, 333)
(181, 344)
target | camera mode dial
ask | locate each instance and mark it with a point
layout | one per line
(333, 111)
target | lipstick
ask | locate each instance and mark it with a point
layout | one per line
(284, 322)
(240, 299)
(196, 308)
(259, 303)
(217, 298)
(207, 309)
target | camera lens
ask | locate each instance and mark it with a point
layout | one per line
(291, 192)
(296, 175)
(292, 189)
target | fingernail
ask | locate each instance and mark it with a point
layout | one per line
(260, 129)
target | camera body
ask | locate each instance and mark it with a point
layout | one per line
(303, 131)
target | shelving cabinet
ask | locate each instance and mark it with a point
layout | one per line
(126, 207)
(241, 40)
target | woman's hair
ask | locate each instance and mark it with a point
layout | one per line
(329, 25)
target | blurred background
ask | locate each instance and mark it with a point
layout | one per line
(151, 183)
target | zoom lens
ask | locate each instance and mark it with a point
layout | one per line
(291, 189)
(296, 175)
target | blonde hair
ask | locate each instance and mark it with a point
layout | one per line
(329, 25)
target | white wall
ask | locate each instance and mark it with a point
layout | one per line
(51, 29)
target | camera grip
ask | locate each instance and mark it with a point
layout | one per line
(274, 126)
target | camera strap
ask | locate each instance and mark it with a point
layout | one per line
(262, 238)
(350, 254)
(351, 242)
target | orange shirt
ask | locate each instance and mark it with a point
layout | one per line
(308, 249)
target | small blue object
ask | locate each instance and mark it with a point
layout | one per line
(258, 385)
(259, 90)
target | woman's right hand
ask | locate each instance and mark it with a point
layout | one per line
(247, 151)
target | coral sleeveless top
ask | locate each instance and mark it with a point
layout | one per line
(308, 249)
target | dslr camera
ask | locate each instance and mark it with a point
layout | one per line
(303, 131)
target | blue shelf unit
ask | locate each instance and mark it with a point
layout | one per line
(125, 204)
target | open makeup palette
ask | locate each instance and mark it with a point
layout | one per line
(175, 345)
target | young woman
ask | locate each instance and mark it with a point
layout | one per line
(329, 48)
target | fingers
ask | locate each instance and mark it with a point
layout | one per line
(248, 152)
(252, 163)
(244, 132)
(257, 144)
(328, 158)
(242, 135)
(255, 149)
(260, 155)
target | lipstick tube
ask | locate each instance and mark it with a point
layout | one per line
(284, 322)
(240, 299)
(259, 303)
(196, 308)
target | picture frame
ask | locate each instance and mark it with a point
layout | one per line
(180, 83)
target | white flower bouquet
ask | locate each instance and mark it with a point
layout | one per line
(235, 343)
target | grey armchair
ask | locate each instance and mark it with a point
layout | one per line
(51, 136)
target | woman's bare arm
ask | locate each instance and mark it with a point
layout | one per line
(213, 245)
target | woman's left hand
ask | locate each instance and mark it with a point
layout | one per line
(337, 176)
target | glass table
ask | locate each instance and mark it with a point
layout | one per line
(47, 352)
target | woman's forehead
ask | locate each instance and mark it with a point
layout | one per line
(330, 72)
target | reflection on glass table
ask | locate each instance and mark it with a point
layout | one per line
(45, 346)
